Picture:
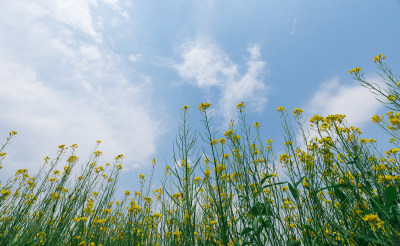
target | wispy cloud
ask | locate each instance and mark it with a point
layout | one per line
(294, 26)
(135, 57)
(333, 97)
(355, 101)
(205, 65)
(60, 85)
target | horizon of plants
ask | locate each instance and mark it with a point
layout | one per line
(330, 187)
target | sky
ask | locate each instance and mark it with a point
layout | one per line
(118, 71)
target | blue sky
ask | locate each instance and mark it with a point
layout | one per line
(118, 71)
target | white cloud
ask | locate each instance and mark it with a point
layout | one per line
(75, 13)
(135, 57)
(59, 87)
(294, 26)
(205, 65)
(356, 102)
(332, 97)
(90, 52)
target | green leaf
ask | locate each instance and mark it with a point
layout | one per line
(377, 203)
(265, 178)
(261, 209)
(295, 192)
(293, 243)
(342, 197)
(274, 184)
(371, 239)
(246, 231)
(389, 196)
(255, 223)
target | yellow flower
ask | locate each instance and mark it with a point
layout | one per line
(284, 158)
(127, 192)
(273, 174)
(61, 146)
(373, 219)
(379, 58)
(376, 119)
(240, 106)
(316, 119)
(178, 233)
(12, 133)
(297, 112)
(119, 156)
(185, 107)
(203, 106)
(236, 137)
(226, 156)
(207, 172)
(256, 124)
(72, 158)
(157, 215)
(222, 140)
(97, 153)
(280, 108)
(391, 98)
(142, 176)
(355, 70)
(365, 141)
(197, 179)
(5, 192)
(214, 142)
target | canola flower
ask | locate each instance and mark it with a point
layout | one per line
(355, 71)
(203, 106)
(379, 58)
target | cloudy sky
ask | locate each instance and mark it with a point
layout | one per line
(118, 71)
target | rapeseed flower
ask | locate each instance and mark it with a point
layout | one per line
(355, 70)
(379, 58)
(240, 106)
(297, 112)
(203, 106)
(280, 109)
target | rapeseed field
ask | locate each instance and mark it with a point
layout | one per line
(334, 188)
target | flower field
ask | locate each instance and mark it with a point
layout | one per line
(333, 188)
